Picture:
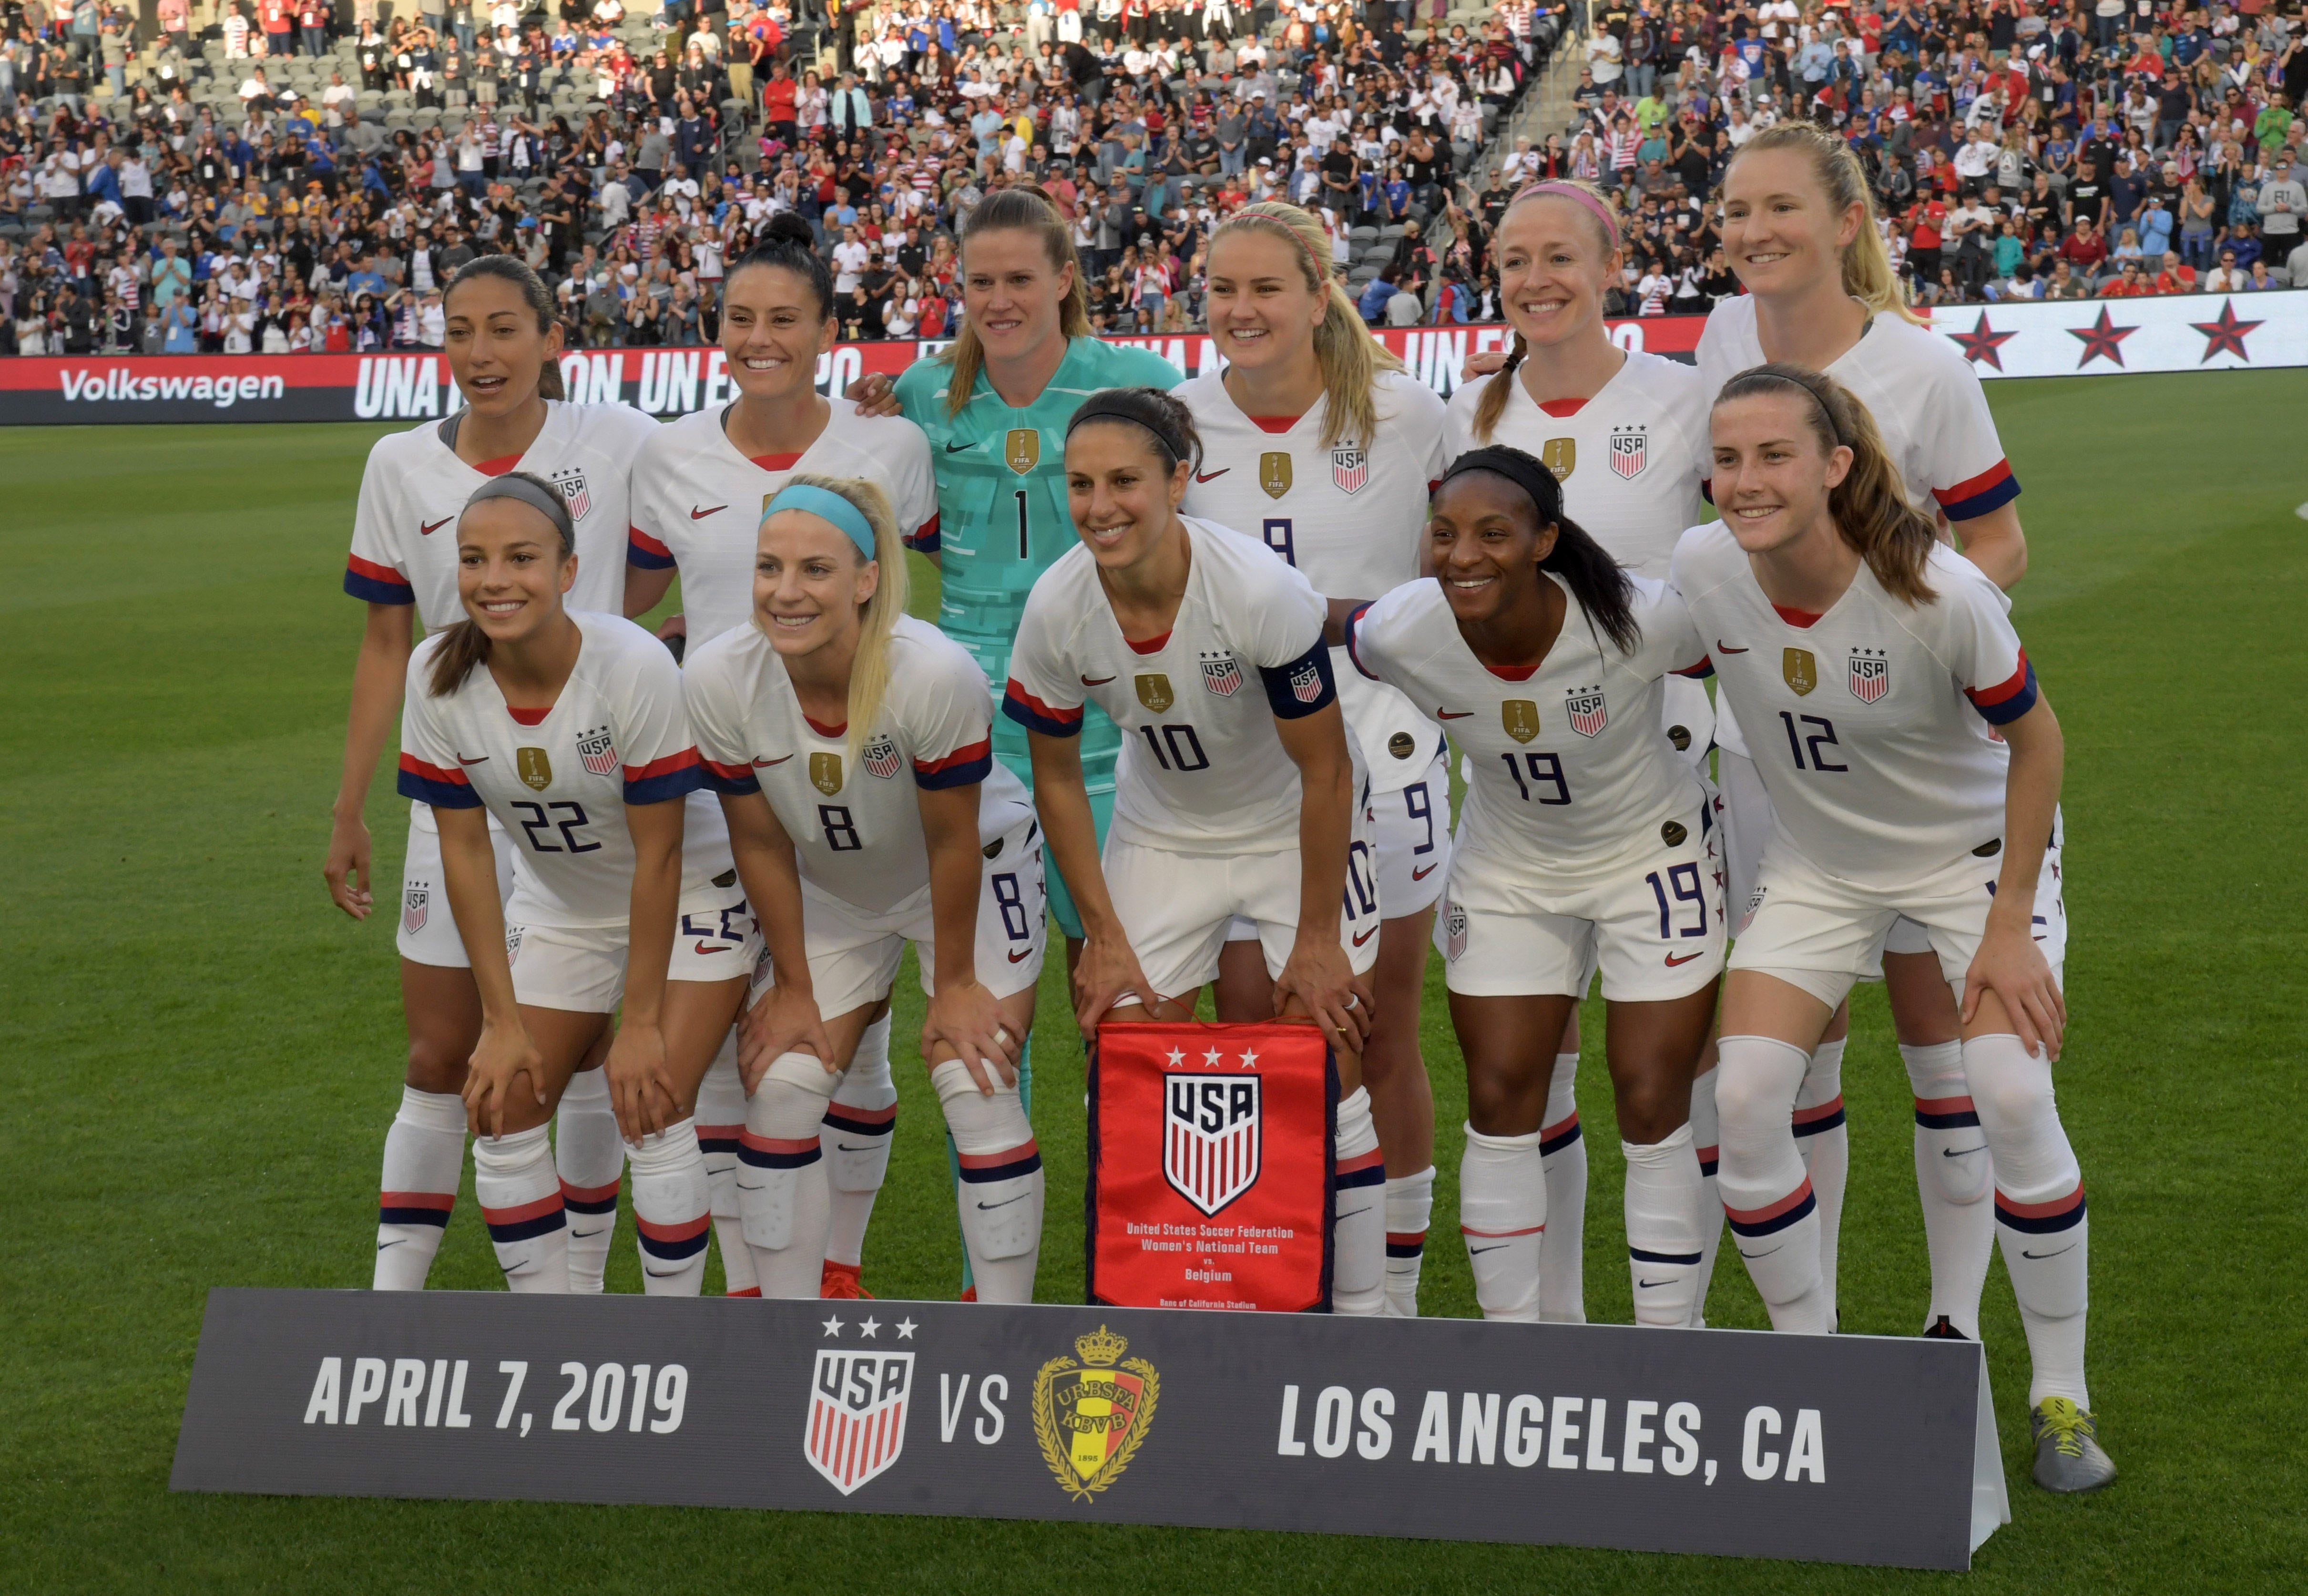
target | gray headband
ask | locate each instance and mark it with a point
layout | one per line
(537, 495)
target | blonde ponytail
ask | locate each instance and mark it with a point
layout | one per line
(1350, 356)
(1868, 274)
(1023, 208)
(1492, 404)
(869, 672)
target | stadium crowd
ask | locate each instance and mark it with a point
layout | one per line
(231, 176)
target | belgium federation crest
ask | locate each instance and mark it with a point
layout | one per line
(1154, 692)
(1274, 474)
(534, 768)
(1091, 1416)
(1519, 719)
(825, 772)
(1561, 456)
(1022, 450)
(1800, 670)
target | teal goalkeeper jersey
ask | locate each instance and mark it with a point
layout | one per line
(1001, 513)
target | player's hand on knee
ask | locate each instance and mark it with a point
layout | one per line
(2012, 966)
(968, 1019)
(784, 1021)
(874, 395)
(1319, 979)
(345, 869)
(506, 1061)
(641, 1082)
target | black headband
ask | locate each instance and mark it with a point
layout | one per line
(537, 495)
(1519, 468)
(1175, 447)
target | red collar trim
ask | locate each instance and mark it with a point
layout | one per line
(529, 716)
(1276, 423)
(1512, 673)
(1562, 407)
(1802, 618)
(778, 462)
(499, 466)
(1152, 645)
(827, 731)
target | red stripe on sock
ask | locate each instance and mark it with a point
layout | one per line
(589, 1193)
(1548, 1132)
(683, 1230)
(1494, 1234)
(1708, 1155)
(994, 1161)
(526, 1210)
(442, 1201)
(1945, 1105)
(1406, 1239)
(2057, 1205)
(1362, 1161)
(788, 1144)
(1770, 1211)
(863, 1116)
(1826, 1110)
(726, 1133)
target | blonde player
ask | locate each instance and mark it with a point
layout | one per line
(1584, 842)
(1913, 771)
(1315, 439)
(844, 734)
(1620, 429)
(699, 486)
(1800, 234)
(569, 731)
(502, 343)
(1235, 792)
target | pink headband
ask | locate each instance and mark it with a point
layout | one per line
(1553, 189)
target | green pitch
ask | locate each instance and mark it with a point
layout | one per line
(200, 1055)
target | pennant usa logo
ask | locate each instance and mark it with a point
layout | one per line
(1210, 1137)
(858, 1407)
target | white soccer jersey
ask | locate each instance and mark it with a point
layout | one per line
(1872, 725)
(1570, 764)
(856, 828)
(1351, 517)
(1202, 769)
(1927, 401)
(698, 503)
(404, 529)
(558, 779)
(1625, 458)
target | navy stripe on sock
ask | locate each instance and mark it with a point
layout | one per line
(1776, 1222)
(2049, 1225)
(1817, 1126)
(436, 1217)
(544, 1224)
(1553, 1145)
(1946, 1122)
(847, 1126)
(1640, 1256)
(1350, 1178)
(1009, 1171)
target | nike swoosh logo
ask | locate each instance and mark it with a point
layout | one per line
(960, 448)
(1962, 1151)
(1095, 681)
(660, 1275)
(1442, 714)
(1022, 958)
(396, 1241)
(1350, 1213)
(1212, 475)
(1672, 961)
(701, 948)
(987, 1207)
(1745, 1253)
(1649, 1283)
(424, 531)
(577, 1235)
(842, 1147)
(484, 759)
(1424, 872)
(1722, 647)
(1366, 937)
(763, 765)
(697, 514)
(1474, 1252)
(2040, 1257)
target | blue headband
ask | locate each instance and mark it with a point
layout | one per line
(827, 506)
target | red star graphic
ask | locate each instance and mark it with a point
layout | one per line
(1981, 341)
(2101, 340)
(2226, 336)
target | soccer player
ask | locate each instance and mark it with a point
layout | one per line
(1914, 770)
(1314, 437)
(1584, 842)
(1620, 429)
(502, 348)
(568, 730)
(699, 486)
(810, 719)
(1799, 229)
(1227, 801)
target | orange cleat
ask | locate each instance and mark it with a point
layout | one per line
(840, 1280)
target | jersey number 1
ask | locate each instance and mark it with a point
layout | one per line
(1023, 553)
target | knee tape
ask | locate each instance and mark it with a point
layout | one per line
(780, 1144)
(1000, 1163)
(2012, 1090)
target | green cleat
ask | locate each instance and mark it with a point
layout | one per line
(2068, 1455)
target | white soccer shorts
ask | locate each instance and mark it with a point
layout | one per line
(582, 969)
(1651, 921)
(427, 932)
(1410, 838)
(854, 955)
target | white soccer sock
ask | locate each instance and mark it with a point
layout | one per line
(1409, 1209)
(1358, 1225)
(671, 1210)
(720, 1125)
(424, 1156)
(1824, 1140)
(521, 1199)
(1953, 1173)
(1663, 1224)
(1563, 1154)
(589, 1151)
(781, 1189)
(1766, 1194)
(1502, 1210)
(856, 1137)
(999, 1196)
(2040, 1209)
(1706, 1137)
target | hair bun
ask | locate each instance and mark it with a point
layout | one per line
(793, 224)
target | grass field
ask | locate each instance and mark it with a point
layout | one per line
(200, 1057)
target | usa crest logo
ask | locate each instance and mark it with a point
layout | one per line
(1587, 712)
(1454, 931)
(1630, 452)
(572, 484)
(882, 758)
(1349, 468)
(1222, 674)
(597, 751)
(857, 1405)
(1306, 683)
(416, 901)
(1210, 1137)
(1871, 674)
